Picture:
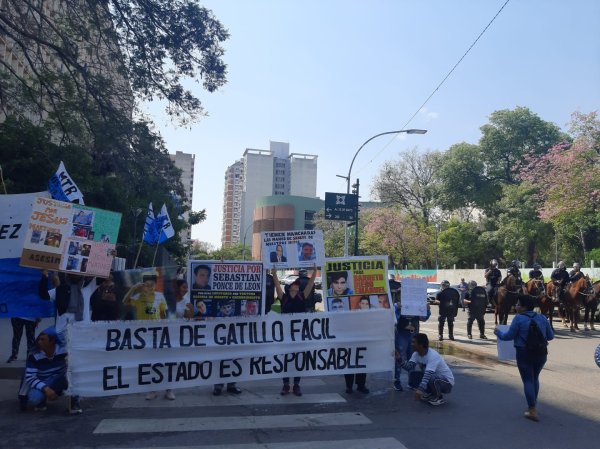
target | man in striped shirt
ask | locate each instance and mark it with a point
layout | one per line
(436, 378)
(45, 376)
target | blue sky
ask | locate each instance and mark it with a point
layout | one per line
(327, 75)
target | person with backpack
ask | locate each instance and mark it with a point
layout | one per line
(531, 332)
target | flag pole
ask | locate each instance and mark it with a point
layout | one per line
(155, 251)
(138, 254)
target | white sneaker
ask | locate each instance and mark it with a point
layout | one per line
(152, 395)
(437, 401)
(170, 395)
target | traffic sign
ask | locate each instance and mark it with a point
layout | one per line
(340, 206)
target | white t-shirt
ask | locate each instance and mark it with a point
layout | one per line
(181, 305)
(433, 361)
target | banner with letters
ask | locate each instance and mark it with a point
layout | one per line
(18, 285)
(122, 357)
(70, 237)
(356, 283)
(293, 249)
(226, 288)
(414, 297)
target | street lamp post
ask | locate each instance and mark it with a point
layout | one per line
(407, 131)
(244, 244)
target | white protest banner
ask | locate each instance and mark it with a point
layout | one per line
(506, 349)
(226, 288)
(70, 237)
(414, 297)
(122, 357)
(350, 281)
(293, 249)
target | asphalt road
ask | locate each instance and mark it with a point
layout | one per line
(483, 411)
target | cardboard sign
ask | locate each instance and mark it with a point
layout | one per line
(293, 249)
(70, 237)
(414, 297)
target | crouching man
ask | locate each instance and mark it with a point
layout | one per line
(434, 378)
(45, 377)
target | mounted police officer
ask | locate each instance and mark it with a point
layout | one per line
(575, 274)
(536, 273)
(448, 299)
(560, 278)
(513, 270)
(492, 280)
(476, 301)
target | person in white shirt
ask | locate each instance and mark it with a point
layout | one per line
(436, 378)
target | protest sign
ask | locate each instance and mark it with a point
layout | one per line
(293, 249)
(18, 285)
(414, 297)
(70, 237)
(122, 357)
(226, 288)
(350, 280)
(506, 349)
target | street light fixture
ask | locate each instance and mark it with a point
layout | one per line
(347, 178)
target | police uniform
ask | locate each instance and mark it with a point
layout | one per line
(477, 306)
(448, 299)
(561, 277)
(536, 274)
(492, 279)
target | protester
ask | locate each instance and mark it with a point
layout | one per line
(435, 378)
(183, 307)
(406, 327)
(17, 327)
(104, 301)
(530, 360)
(293, 302)
(149, 305)
(45, 377)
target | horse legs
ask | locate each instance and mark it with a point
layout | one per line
(586, 317)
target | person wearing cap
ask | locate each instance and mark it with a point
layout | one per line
(45, 377)
(293, 302)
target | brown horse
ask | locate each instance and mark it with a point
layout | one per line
(576, 295)
(506, 298)
(537, 288)
(591, 305)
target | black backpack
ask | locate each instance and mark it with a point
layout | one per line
(536, 343)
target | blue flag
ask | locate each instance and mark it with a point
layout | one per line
(62, 187)
(166, 228)
(151, 229)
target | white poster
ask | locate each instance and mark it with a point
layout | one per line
(506, 349)
(414, 297)
(122, 357)
(293, 249)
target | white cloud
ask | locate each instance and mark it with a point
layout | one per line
(428, 115)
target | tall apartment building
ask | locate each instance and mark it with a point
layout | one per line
(185, 162)
(263, 173)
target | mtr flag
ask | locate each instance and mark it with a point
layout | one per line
(62, 187)
(166, 227)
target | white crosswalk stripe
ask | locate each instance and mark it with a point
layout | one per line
(229, 423)
(371, 443)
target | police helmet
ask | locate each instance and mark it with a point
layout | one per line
(472, 285)
(515, 263)
(537, 266)
(445, 284)
(576, 265)
(494, 263)
(561, 265)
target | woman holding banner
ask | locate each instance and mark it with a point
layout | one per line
(293, 302)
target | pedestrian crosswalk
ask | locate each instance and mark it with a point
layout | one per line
(271, 413)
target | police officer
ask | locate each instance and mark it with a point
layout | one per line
(447, 298)
(560, 278)
(575, 274)
(476, 301)
(536, 273)
(513, 270)
(492, 279)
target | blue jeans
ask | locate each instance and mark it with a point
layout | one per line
(436, 386)
(57, 382)
(402, 343)
(529, 369)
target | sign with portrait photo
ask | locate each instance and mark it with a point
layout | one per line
(226, 288)
(356, 283)
(293, 249)
(70, 237)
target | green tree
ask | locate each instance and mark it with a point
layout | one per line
(459, 243)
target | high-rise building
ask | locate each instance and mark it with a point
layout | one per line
(185, 162)
(263, 173)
